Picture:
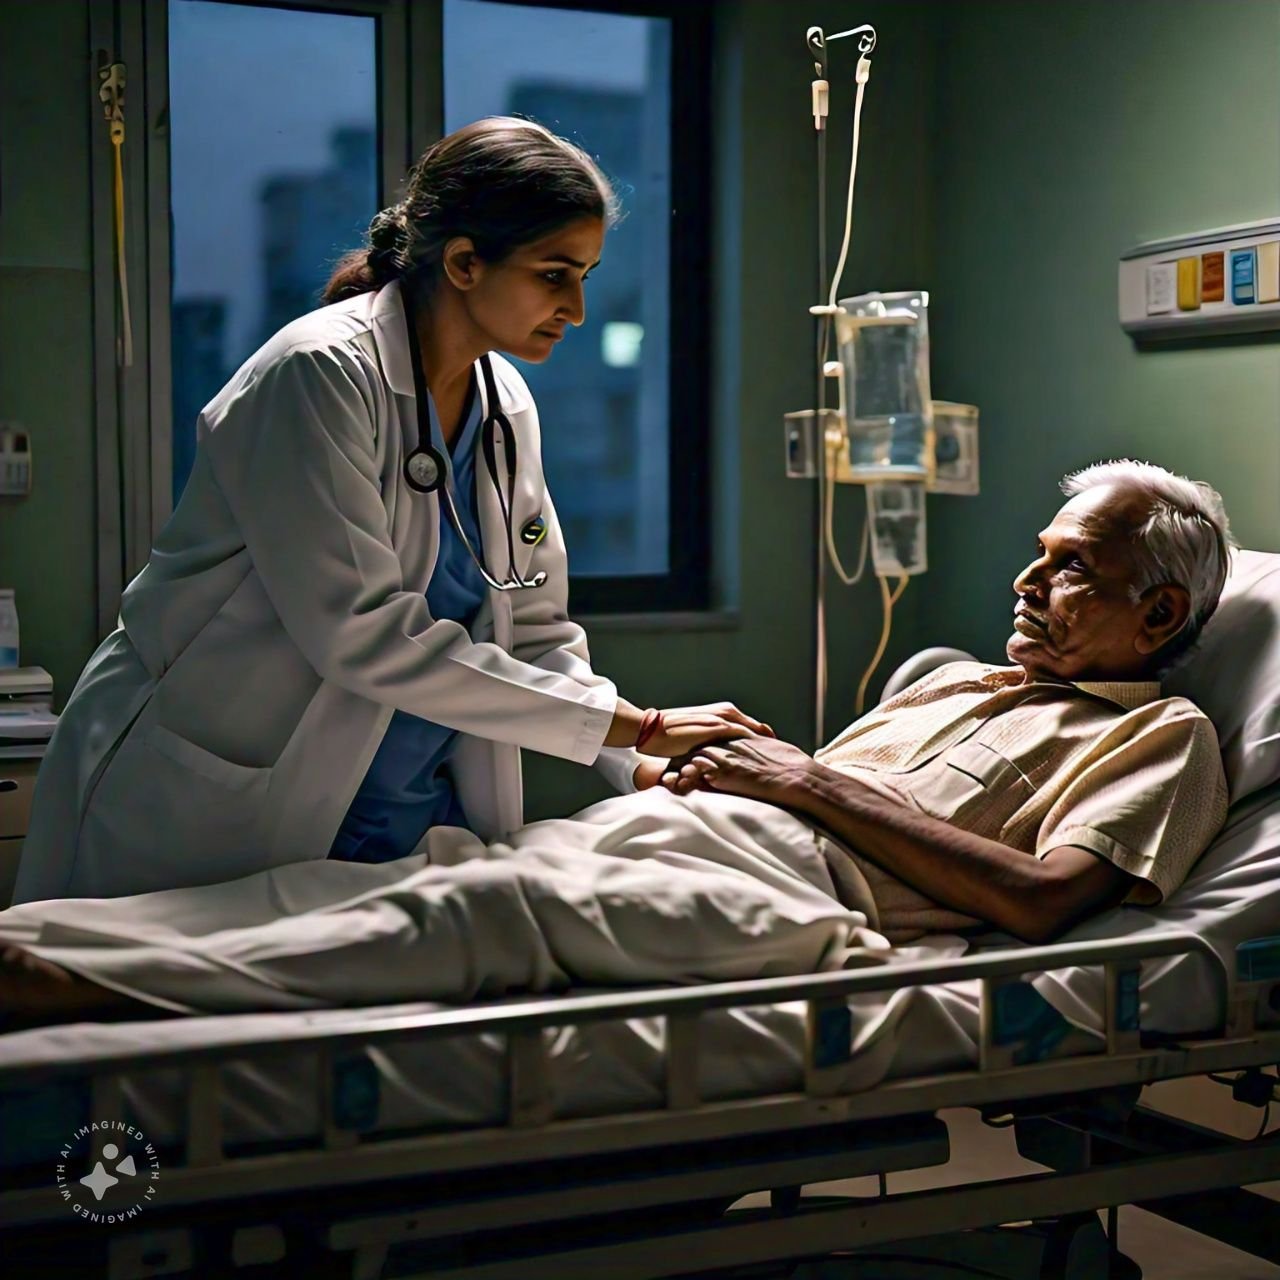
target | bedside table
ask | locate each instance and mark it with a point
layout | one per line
(15, 811)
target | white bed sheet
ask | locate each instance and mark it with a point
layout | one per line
(1232, 895)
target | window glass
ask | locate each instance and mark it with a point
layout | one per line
(602, 80)
(274, 172)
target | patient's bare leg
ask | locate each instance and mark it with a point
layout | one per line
(34, 991)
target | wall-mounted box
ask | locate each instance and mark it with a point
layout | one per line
(1207, 282)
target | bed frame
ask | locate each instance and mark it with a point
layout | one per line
(645, 1194)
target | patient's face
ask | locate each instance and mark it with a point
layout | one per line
(1075, 618)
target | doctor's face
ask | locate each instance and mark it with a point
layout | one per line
(524, 304)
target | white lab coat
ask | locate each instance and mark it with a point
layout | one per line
(280, 621)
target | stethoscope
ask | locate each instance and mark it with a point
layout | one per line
(426, 471)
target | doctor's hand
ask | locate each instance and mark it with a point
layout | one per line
(759, 768)
(679, 731)
(686, 728)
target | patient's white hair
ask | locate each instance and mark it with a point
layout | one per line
(1185, 538)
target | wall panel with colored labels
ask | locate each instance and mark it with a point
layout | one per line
(1222, 281)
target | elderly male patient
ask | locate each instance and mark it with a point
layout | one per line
(1025, 797)
(1032, 795)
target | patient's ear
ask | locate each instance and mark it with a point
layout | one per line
(1166, 610)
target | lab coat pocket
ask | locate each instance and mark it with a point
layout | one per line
(168, 813)
(213, 768)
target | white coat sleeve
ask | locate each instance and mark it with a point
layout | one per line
(294, 456)
(617, 765)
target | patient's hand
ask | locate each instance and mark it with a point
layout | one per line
(648, 772)
(759, 768)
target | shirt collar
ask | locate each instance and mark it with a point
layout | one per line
(1129, 694)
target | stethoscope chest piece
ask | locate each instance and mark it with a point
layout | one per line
(424, 469)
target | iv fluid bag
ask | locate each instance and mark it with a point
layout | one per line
(897, 514)
(884, 349)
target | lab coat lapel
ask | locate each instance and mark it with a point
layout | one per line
(413, 518)
(392, 340)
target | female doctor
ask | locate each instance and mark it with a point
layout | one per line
(356, 617)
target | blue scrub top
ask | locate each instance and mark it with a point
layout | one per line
(409, 787)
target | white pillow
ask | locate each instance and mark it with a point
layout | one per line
(1233, 676)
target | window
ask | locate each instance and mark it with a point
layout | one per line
(630, 491)
(259, 214)
(269, 134)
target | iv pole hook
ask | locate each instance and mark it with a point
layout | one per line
(818, 51)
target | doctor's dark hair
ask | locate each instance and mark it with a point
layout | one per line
(501, 182)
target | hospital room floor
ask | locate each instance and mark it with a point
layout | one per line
(1164, 1250)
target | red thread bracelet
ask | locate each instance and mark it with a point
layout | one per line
(649, 726)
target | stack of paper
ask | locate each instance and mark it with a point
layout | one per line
(27, 720)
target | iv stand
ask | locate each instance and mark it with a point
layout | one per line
(816, 42)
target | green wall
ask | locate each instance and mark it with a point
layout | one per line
(1067, 134)
(47, 539)
(1011, 152)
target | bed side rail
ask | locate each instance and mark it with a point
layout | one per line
(826, 993)
(1257, 984)
(530, 1129)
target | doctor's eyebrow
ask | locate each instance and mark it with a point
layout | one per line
(561, 259)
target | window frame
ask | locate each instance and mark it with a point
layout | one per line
(133, 405)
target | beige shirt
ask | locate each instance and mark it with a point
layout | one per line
(1113, 768)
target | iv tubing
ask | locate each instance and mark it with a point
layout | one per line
(864, 74)
(888, 602)
(848, 579)
(828, 500)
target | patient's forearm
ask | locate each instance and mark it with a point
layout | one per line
(1009, 888)
(34, 991)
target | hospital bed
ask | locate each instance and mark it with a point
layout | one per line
(608, 1133)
